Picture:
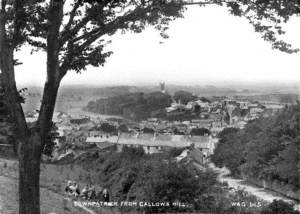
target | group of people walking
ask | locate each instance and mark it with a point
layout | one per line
(88, 192)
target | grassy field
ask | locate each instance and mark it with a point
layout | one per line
(51, 201)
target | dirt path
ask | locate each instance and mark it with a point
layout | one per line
(259, 192)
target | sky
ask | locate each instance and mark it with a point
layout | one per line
(207, 46)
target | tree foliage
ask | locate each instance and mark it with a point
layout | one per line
(183, 96)
(268, 148)
(200, 131)
(134, 176)
(279, 207)
(7, 127)
(133, 105)
(106, 127)
(268, 18)
(85, 26)
(148, 130)
(123, 128)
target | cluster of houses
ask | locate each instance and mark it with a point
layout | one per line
(81, 132)
(222, 113)
(156, 135)
(155, 143)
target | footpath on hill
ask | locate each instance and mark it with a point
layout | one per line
(259, 192)
(51, 202)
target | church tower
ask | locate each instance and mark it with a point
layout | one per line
(162, 87)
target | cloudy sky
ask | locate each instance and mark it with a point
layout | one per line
(208, 46)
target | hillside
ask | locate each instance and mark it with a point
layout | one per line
(268, 150)
(73, 96)
(51, 201)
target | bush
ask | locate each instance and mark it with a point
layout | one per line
(267, 149)
(106, 127)
(131, 152)
(279, 207)
(200, 131)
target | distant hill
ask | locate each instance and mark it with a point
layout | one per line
(74, 96)
(77, 96)
(272, 97)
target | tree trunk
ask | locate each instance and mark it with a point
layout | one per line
(31, 142)
(29, 174)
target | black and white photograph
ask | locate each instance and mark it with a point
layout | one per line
(149, 106)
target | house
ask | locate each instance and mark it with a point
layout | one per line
(155, 143)
(202, 123)
(243, 104)
(153, 120)
(205, 106)
(175, 106)
(216, 130)
(79, 121)
(274, 106)
(241, 124)
(190, 105)
(149, 146)
(75, 137)
(257, 110)
(203, 143)
(96, 131)
(176, 112)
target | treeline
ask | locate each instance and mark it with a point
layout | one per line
(267, 149)
(133, 105)
(143, 105)
(271, 97)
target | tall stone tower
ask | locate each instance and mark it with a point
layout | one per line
(162, 87)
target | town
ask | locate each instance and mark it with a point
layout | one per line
(157, 106)
(201, 121)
